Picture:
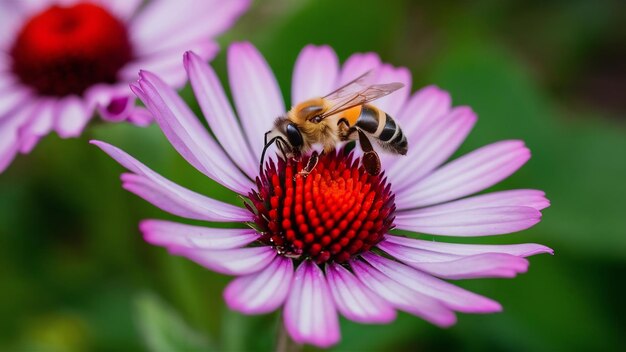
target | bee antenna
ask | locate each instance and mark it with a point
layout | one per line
(267, 145)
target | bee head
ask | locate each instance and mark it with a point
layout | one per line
(294, 136)
(287, 137)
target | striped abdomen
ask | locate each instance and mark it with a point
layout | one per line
(382, 127)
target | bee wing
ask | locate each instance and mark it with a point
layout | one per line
(359, 83)
(357, 92)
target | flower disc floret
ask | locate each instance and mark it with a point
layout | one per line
(332, 214)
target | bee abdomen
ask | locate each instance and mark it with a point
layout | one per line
(389, 129)
(399, 143)
(368, 119)
(383, 128)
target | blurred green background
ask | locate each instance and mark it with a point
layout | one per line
(75, 274)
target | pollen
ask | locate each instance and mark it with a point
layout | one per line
(332, 214)
(65, 50)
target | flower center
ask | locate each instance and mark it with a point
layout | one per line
(334, 213)
(65, 50)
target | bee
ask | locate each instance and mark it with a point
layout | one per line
(342, 115)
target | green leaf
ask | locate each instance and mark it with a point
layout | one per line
(163, 330)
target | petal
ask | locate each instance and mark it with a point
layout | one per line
(468, 174)
(176, 201)
(432, 148)
(471, 222)
(414, 255)
(38, 126)
(310, 315)
(261, 292)
(187, 135)
(117, 109)
(255, 92)
(5, 65)
(402, 297)
(100, 95)
(173, 234)
(238, 261)
(315, 73)
(171, 197)
(354, 300)
(8, 81)
(167, 64)
(123, 9)
(452, 296)
(521, 250)
(9, 136)
(424, 108)
(165, 24)
(458, 267)
(357, 65)
(10, 21)
(140, 116)
(219, 113)
(477, 266)
(12, 99)
(72, 117)
(519, 197)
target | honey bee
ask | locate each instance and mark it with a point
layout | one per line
(340, 116)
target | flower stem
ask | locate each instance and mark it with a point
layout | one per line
(284, 343)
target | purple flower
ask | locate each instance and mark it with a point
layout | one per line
(63, 60)
(319, 245)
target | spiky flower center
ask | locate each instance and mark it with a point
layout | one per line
(332, 214)
(65, 50)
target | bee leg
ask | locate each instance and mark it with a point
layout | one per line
(371, 161)
(343, 121)
(310, 165)
(344, 129)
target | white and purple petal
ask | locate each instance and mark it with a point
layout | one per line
(452, 296)
(38, 126)
(471, 222)
(255, 92)
(72, 117)
(261, 292)
(167, 65)
(449, 266)
(518, 197)
(357, 65)
(123, 9)
(354, 300)
(237, 261)
(424, 107)
(521, 250)
(173, 234)
(9, 133)
(162, 25)
(310, 315)
(187, 135)
(466, 175)
(219, 114)
(315, 74)
(393, 103)
(402, 297)
(169, 196)
(433, 147)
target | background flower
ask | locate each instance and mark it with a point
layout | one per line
(64, 60)
(335, 267)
